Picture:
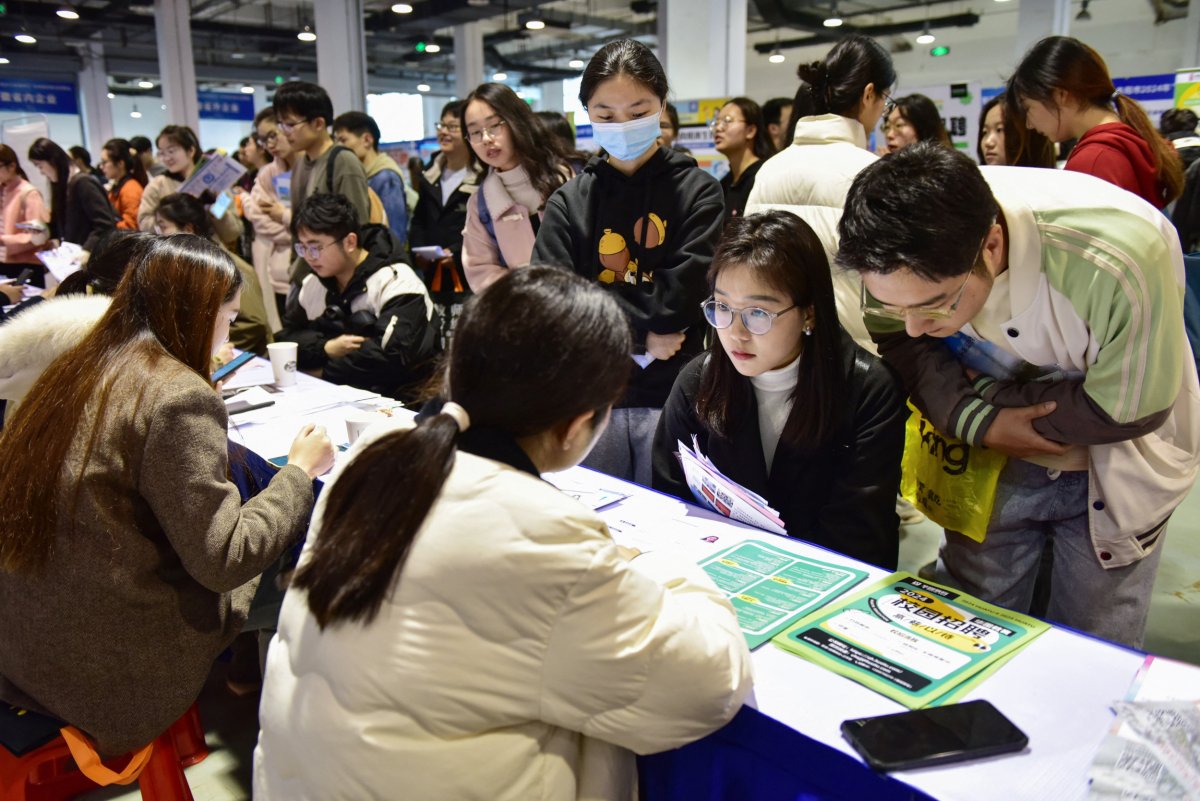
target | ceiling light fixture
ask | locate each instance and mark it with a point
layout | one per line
(111, 96)
(25, 38)
(1084, 15)
(247, 89)
(238, 56)
(575, 63)
(423, 87)
(499, 76)
(926, 36)
(307, 35)
(66, 12)
(402, 8)
(535, 24)
(834, 20)
(145, 84)
(433, 47)
(776, 57)
(137, 115)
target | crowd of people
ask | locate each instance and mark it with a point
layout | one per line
(544, 307)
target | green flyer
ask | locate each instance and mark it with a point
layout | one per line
(912, 640)
(771, 588)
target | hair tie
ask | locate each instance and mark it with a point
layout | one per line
(1116, 93)
(458, 414)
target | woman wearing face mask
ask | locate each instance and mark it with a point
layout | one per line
(642, 221)
(1000, 144)
(784, 402)
(524, 168)
(180, 152)
(741, 136)
(840, 98)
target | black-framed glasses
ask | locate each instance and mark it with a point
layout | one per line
(491, 131)
(757, 320)
(889, 105)
(288, 127)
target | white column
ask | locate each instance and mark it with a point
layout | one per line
(93, 92)
(342, 54)
(702, 46)
(1037, 20)
(552, 96)
(176, 65)
(468, 57)
(1190, 54)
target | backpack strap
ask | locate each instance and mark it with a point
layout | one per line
(485, 217)
(333, 154)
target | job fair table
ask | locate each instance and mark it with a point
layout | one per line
(1058, 689)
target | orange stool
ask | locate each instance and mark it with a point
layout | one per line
(48, 773)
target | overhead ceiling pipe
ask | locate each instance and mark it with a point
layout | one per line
(888, 29)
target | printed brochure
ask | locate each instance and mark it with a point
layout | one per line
(716, 491)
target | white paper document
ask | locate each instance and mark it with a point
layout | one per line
(714, 490)
(63, 260)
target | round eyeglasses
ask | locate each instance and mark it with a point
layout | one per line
(757, 321)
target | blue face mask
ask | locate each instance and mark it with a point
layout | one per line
(625, 141)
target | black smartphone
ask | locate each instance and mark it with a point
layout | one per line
(24, 278)
(232, 365)
(934, 736)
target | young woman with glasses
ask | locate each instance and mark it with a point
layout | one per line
(271, 216)
(784, 402)
(524, 168)
(740, 135)
(180, 152)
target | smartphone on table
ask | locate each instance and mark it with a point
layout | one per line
(934, 736)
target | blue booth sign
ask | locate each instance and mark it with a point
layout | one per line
(226, 106)
(1147, 87)
(38, 97)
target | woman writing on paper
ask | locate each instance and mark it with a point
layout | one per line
(784, 403)
(480, 635)
(127, 560)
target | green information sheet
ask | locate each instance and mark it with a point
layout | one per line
(771, 588)
(914, 641)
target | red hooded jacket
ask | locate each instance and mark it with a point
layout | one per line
(1117, 153)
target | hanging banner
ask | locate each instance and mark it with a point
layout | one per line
(1187, 90)
(226, 106)
(38, 97)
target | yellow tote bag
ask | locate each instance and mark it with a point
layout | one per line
(951, 481)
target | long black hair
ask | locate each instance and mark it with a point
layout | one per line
(186, 211)
(530, 353)
(783, 252)
(761, 145)
(624, 57)
(1021, 149)
(543, 157)
(44, 149)
(1062, 62)
(835, 84)
(119, 151)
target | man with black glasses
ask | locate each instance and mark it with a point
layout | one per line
(1038, 314)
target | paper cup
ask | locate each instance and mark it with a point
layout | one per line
(359, 422)
(283, 362)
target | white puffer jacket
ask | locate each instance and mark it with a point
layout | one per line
(811, 179)
(38, 336)
(519, 656)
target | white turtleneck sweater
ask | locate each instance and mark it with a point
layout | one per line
(773, 391)
(520, 188)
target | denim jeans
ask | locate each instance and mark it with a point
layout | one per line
(1034, 506)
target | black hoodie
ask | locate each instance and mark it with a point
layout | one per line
(386, 302)
(649, 238)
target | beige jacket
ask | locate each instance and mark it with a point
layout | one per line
(118, 634)
(272, 246)
(228, 227)
(519, 657)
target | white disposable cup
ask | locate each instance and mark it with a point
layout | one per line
(283, 362)
(359, 422)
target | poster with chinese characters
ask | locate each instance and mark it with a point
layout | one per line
(912, 640)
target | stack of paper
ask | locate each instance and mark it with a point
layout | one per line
(714, 490)
(62, 260)
(1153, 753)
(912, 640)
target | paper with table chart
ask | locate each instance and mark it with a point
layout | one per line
(771, 588)
(914, 641)
(716, 491)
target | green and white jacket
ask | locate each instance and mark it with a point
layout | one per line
(1096, 289)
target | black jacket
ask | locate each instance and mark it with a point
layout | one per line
(385, 302)
(842, 495)
(88, 214)
(438, 223)
(649, 238)
(1186, 214)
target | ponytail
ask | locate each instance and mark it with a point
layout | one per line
(1166, 158)
(369, 526)
(812, 98)
(835, 85)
